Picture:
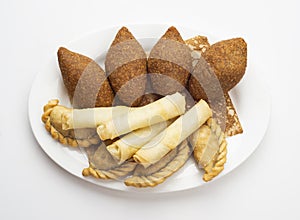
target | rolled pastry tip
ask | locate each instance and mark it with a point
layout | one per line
(125, 147)
(161, 110)
(173, 135)
(90, 117)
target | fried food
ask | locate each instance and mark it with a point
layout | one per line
(170, 63)
(103, 166)
(126, 146)
(204, 83)
(84, 79)
(163, 109)
(173, 135)
(73, 137)
(160, 171)
(90, 117)
(126, 67)
(228, 58)
(210, 150)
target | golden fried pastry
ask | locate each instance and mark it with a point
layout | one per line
(126, 67)
(102, 165)
(198, 43)
(161, 110)
(173, 135)
(228, 58)
(73, 137)
(210, 150)
(160, 171)
(84, 79)
(170, 63)
(129, 144)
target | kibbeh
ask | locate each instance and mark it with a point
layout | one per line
(84, 79)
(126, 67)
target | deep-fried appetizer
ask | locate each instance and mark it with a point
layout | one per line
(210, 82)
(210, 150)
(160, 171)
(169, 63)
(74, 137)
(173, 135)
(125, 147)
(84, 79)
(161, 110)
(103, 166)
(126, 67)
(228, 59)
(204, 83)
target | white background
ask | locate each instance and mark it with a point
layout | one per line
(34, 187)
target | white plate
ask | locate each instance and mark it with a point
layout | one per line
(251, 100)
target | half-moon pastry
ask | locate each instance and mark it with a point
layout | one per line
(170, 63)
(210, 149)
(84, 79)
(102, 165)
(126, 67)
(160, 171)
(78, 137)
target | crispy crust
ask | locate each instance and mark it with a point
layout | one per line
(226, 116)
(223, 108)
(169, 63)
(82, 137)
(103, 166)
(126, 67)
(114, 173)
(233, 124)
(228, 58)
(201, 139)
(159, 172)
(84, 79)
(203, 83)
(217, 166)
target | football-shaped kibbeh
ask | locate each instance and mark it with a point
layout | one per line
(228, 58)
(126, 67)
(84, 79)
(170, 63)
